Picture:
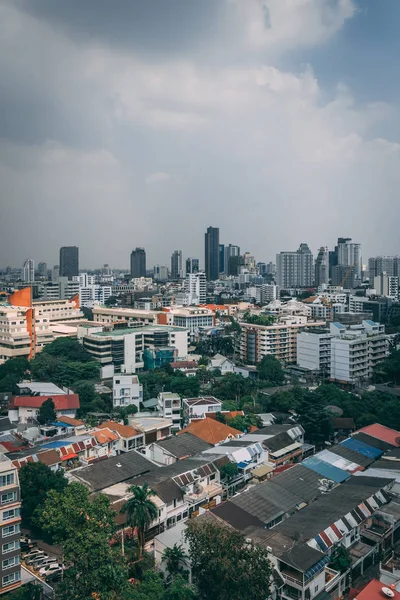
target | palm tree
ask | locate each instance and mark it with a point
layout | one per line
(141, 511)
(175, 558)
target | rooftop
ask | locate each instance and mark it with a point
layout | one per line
(184, 445)
(41, 388)
(391, 436)
(125, 431)
(373, 591)
(202, 400)
(61, 402)
(149, 423)
(210, 431)
(129, 330)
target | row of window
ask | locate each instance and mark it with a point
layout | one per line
(8, 497)
(13, 513)
(10, 546)
(8, 479)
(10, 562)
(11, 578)
(11, 530)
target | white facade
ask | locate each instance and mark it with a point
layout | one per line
(192, 318)
(103, 314)
(387, 285)
(314, 351)
(127, 390)
(94, 294)
(197, 408)
(349, 254)
(23, 332)
(170, 406)
(356, 350)
(28, 271)
(57, 311)
(196, 288)
(295, 269)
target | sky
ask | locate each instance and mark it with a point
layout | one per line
(129, 123)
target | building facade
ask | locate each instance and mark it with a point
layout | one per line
(314, 350)
(211, 253)
(69, 261)
(127, 391)
(192, 265)
(196, 288)
(295, 269)
(28, 271)
(194, 319)
(322, 267)
(10, 510)
(176, 265)
(387, 285)
(138, 263)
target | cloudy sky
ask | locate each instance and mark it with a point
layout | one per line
(130, 123)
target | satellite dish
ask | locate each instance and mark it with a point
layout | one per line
(388, 592)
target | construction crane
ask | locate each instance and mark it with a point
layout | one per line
(351, 267)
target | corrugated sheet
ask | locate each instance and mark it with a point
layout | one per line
(338, 461)
(362, 448)
(325, 469)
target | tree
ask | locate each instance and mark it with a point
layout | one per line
(111, 301)
(270, 371)
(47, 412)
(314, 419)
(141, 511)
(229, 472)
(87, 395)
(36, 480)
(258, 319)
(150, 588)
(225, 566)
(68, 349)
(180, 589)
(175, 558)
(12, 372)
(341, 559)
(83, 526)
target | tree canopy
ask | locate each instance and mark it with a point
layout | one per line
(47, 412)
(234, 570)
(270, 371)
(140, 510)
(36, 480)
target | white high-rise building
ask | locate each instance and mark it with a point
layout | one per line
(386, 285)
(28, 271)
(196, 288)
(349, 255)
(295, 269)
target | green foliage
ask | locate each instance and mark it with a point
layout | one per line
(150, 588)
(141, 511)
(314, 419)
(258, 319)
(229, 471)
(158, 380)
(90, 400)
(84, 526)
(389, 369)
(12, 372)
(243, 423)
(175, 558)
(233, 570)
(180, 589)
(36, 480)
(68, 349)
(47, 413)
(111, 301)
(270, 371)
(30, 591)
(220, 417)
(341, 559)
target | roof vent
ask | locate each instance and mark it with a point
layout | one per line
(118, 465)
(388, 592)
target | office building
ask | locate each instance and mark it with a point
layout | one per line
(126, 348)
(55, 273)
(192, 265)
(230, 251)
(221, 258)
(356, 350)
(211, 253)
(295, 269)
(160, 272)
(60, 289)
(322, 267)
(138, 263)
(314, 350)
(28, 271)
(10, 523)
(194, 318)
(69, 261)
(127, 391)
(349, 255)
(42, 269)
(94, 294)
(387, 285)
(176, 265)
(196, 288)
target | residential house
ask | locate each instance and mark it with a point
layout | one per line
(211, 431)
(197, 408)
(107, 441)
(170, 407)
(224, 364)
(189, 367)
(170, 450)
(25, 409)
(50, 458)
(153, 428)
(129, 437)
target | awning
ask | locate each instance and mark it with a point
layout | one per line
(286, 450)
(262, 470)
(69, 456)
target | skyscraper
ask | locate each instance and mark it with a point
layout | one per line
(295, 269)
(230, 251)
(69, 261)
(221, 259)
(211, 253)
(176, 264)
(28, 271)
(322, 266)
(192, 265)
(42, 269)
(138, 263)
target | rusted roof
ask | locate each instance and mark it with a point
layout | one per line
(125, 431)
(210, 431)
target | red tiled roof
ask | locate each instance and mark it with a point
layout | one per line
(125, 431)
(70, 421)
(210, 431)
(228, 414)
(61, 402)
(380, 432)
(373, 591)
(105, 436)
(184, 364)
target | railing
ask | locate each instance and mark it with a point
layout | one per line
(331, 578)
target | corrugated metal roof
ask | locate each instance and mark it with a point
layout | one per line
(338, 461)
(362, 448)
(325, 469)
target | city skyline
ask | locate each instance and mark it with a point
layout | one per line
(270, 114)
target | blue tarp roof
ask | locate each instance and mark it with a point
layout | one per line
(325, 469)
(316, 568)
(361, 448)
(61, 424)
(243, 465)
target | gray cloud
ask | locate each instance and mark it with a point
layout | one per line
(141, 123)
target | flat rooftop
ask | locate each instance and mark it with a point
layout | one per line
(130, 330)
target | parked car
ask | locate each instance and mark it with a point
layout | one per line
(53, 577)
(49, 560)
(35, 557)
(51, 568)
(34, 552)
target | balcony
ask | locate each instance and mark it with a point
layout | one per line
(392, 565)
(208, 491)
(331, 578)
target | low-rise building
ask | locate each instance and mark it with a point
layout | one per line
(170, 407)
(153, 428)
(197, 408)
(224, 364)
(314, 350)
(194, 318)
(211, 431)
(25, 409)
(127, 391)
(177, 447)
(129, 437)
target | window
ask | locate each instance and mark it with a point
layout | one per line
(7, 479)
(9, 497)
(13, 513)
(10, 530)
(11, 546)
(11, 578)
(10, 562)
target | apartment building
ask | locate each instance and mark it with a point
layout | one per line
(58, 311)
(103, 314)
(125, 348)
(127, 390)
(193, 318)
(10, 519)
(170, 407)
(387, 285)
(196, 288)
(279, 340)
(314, 350)
(356, 350)
(295, 269)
